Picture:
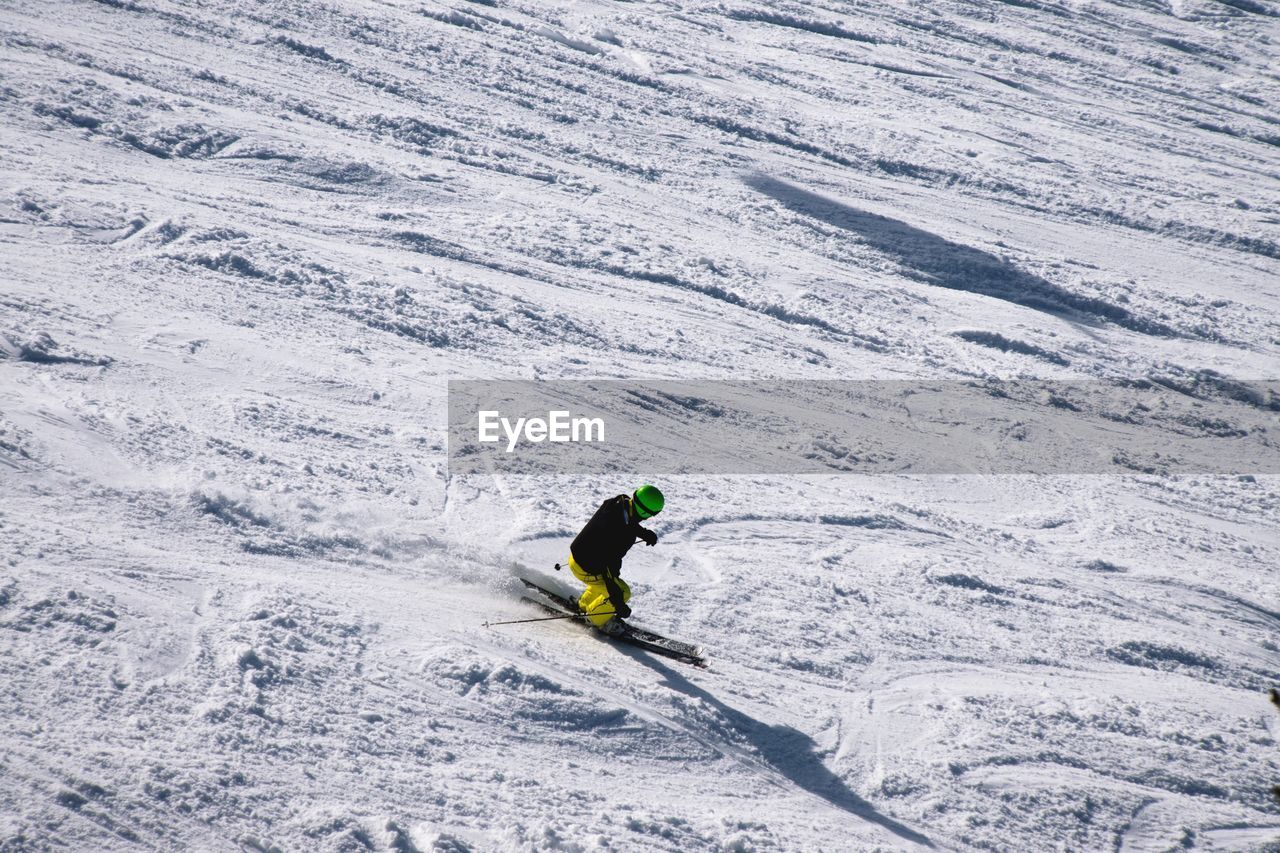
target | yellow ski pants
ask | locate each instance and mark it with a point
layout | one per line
(594, 601)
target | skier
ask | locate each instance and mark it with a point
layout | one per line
(595, 555)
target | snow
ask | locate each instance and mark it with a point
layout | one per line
(246, 246)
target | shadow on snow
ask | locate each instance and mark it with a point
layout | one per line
(934, 260)
(788, 751)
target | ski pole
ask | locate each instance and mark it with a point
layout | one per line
(539, 619)
(542, 619)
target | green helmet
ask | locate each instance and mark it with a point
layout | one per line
(647, 500)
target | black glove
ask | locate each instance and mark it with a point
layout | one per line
(650, 538)
(622, 610)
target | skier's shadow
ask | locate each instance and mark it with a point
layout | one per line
(786, 750)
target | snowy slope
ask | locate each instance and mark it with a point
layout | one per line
(245, 245)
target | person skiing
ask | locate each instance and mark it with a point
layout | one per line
(595, 555)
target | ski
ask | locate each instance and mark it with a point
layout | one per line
(563, 603)
(636, 636)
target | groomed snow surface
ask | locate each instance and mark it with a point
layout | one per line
(245, 244)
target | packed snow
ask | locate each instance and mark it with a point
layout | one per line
(245, 246)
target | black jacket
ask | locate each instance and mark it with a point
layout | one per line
(607, 537)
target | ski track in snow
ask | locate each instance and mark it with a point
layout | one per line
(245, 246)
